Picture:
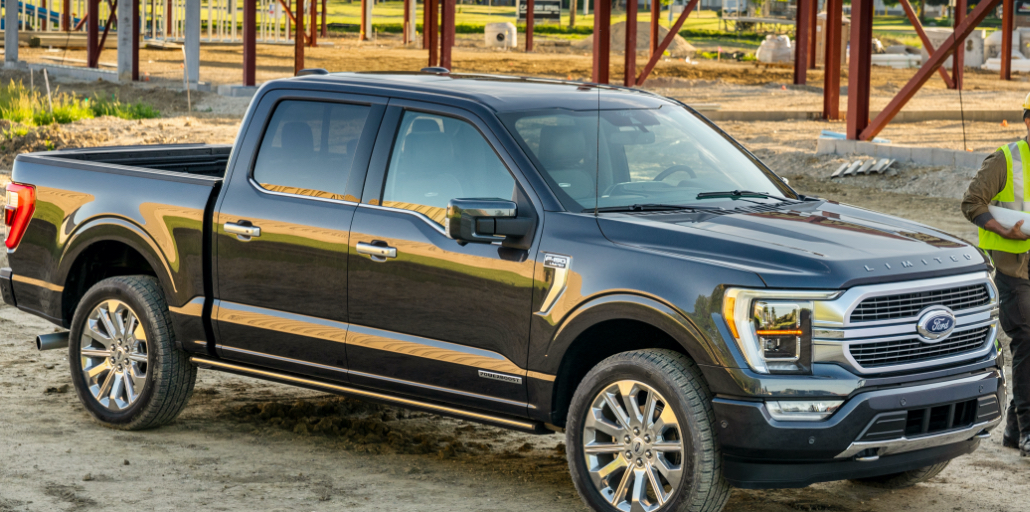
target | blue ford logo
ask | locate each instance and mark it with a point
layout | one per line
(936, 324)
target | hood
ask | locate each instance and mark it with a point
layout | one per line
(812, 244)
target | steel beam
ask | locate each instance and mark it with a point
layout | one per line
(813, 33)
(313, 38)
(249, 41)
(630, 59)
(366, 20)
(657, 55)
(135, 40)
(43, 20)
(936, 59)
(530, 22)
(927, 44)
(446, 32)
(168, 18)
(433, 30)
(425, 23)
(656, 14)
(92, 33)
(325, 26)
(405, 36)
(113, 4)
(859, 67)
(801, 33)
(1007, 27)
(958, 59)
(298, 41)
(602, 40)
(831, 75)
(66, 15)
(191, 42)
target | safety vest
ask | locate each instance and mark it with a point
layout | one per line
(1017, 156)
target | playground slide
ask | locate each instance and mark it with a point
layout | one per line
(53, 16)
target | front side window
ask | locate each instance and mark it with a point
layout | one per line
(308, 148)
(629, 157)
(436, 159)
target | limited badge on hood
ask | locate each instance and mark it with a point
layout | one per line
(936, 324)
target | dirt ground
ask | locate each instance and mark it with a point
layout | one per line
(245, 445)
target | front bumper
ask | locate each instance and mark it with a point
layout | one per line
(873, 433)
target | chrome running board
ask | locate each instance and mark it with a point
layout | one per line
(513, 423)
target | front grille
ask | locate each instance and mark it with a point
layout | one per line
(890, 353)
(906, 305)
(932, 420)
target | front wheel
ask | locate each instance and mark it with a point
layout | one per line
(640, 436)
(126, 367)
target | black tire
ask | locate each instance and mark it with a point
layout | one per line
(903, 479)
(677, 379)
(169, 377)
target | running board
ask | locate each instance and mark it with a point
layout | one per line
(503, 421)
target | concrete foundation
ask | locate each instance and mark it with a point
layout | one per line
(75, 73)
(237, 91)
(909, 154)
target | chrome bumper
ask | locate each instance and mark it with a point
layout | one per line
(902, 445)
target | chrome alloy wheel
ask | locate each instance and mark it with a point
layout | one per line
(633, 446)
(114, 355)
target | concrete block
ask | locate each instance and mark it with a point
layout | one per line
(237, 91)
(824, 146)
(845, 147)
(882, 151)
(970, 160)
(945, 157)
(922, 155)
(900, 153)
(76, 73)
(865, 148)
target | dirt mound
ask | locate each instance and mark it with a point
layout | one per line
(679, 47)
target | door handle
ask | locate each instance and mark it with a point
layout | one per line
(242, 232)
(377, 250)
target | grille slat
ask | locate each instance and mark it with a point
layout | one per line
(906, 305)
(889, 353)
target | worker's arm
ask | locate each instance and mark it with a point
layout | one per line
(989, 180)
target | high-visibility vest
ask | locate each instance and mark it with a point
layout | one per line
(1017, 156)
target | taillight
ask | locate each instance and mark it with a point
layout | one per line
(21, 203)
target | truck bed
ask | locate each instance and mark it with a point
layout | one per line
(195, 159)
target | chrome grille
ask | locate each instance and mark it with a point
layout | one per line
(889, 353)
(904, 305)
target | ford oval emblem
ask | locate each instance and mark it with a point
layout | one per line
(936, 324)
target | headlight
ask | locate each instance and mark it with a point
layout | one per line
(802, 410)
(773, 328)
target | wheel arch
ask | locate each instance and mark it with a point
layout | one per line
(608, 325)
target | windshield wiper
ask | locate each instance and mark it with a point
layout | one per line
(651, 207)
(741, 193)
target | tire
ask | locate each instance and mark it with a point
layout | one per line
(903, 479)
(141, 353)
(677, 387)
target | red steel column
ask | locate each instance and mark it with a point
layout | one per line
(325, 27)
(249, 41)
(43, 20)
(362, 36)
(135, 40)
(446, 32)
(404, 27)
(298, 41)
(831, 76)
(813, 15)
(656, 13)
(602, 39)
(801, 32)
(425, 23)
(859, 69)
(66, 15)
(927, 44)
(1007, 26)
(958, 60)
(630, 63)
(530, 19)
(434, 31)
(168, 18)
(92, 33)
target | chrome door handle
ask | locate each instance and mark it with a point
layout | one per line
(242, 232)
(377, 252)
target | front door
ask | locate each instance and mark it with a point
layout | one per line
(428, 315)
(282, 234)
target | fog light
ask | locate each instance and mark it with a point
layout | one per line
(802, 410)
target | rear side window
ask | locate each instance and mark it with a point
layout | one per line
(308, 148)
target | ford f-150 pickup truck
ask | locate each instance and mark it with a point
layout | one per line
(536, 254)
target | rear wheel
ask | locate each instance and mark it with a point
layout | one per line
(640, 436)
(905, 478)
(126, 367)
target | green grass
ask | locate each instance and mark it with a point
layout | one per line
(131, 111)
(27, 107)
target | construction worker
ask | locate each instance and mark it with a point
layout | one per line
(1002, 181)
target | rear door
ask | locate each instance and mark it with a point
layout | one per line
(428, 315)
(282, 232)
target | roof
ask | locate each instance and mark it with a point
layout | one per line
(502, 93)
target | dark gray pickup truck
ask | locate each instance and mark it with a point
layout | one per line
(535, 254)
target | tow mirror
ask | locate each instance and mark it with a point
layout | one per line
(484, 220)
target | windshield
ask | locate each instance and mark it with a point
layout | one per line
(658, 156)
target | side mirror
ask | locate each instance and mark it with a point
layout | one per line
(484, 220)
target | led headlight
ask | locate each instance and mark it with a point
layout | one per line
(772, 328)
(802, 410)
